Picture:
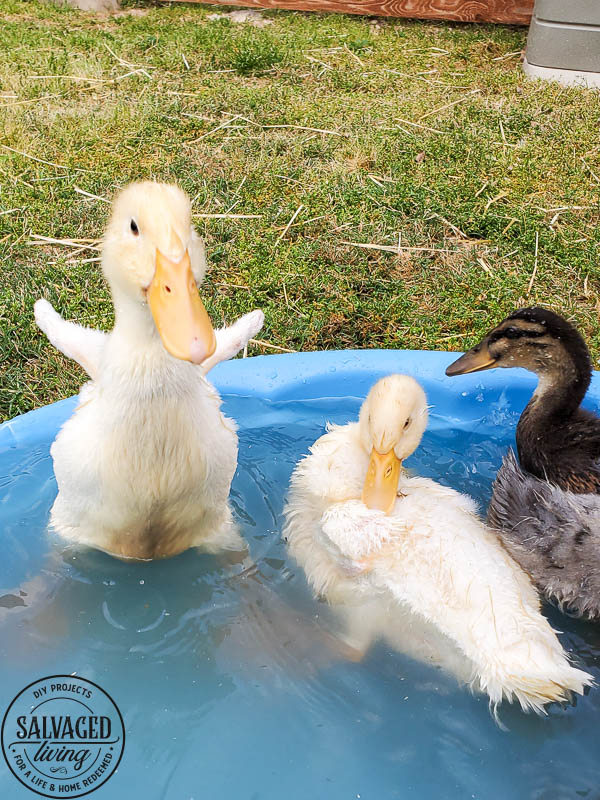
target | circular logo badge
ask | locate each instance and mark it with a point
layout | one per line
(63, 736)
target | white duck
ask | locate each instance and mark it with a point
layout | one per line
(411, 548)
(144, 466)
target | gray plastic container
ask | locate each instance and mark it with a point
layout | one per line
(564, 42)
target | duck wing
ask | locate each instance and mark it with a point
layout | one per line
(84, 345)
(553, 534)
(436, 558)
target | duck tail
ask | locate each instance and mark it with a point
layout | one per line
(535, 673)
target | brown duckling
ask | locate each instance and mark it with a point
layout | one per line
(547, 507)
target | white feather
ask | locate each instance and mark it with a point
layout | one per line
(144, 465)
(432, 557)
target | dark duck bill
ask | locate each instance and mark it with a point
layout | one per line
(476, 359)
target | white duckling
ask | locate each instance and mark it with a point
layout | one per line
(382, 543)
(144, 465)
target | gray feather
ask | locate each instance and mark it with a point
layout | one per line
(553, 534)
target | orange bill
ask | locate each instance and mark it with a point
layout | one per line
(179, 315)
(381, 484)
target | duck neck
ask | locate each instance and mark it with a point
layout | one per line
(557, 397)
(135, 351)
(134, 323)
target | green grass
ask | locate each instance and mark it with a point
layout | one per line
(480, 184)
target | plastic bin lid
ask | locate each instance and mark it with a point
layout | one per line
(575, 12)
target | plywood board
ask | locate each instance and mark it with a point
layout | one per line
(516, 12)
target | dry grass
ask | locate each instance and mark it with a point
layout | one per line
(478, 189)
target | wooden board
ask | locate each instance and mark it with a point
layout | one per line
(517, 12)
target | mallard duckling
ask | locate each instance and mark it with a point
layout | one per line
(369, 535)
(145, 463)
(547, 507)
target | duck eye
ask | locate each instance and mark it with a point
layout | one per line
(513, 333)
(134, 228)
(388, 472)
(407, 423)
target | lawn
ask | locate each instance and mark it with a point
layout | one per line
(475, 190)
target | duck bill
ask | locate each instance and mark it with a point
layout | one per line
(179, 314)
(381, 485)
(474, 361)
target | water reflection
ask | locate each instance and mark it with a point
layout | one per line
(232, 679)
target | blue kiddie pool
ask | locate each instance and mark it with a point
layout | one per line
(226, 674)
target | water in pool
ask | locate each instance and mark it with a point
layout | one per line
(228, 675)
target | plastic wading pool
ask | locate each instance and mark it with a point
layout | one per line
(226, 674)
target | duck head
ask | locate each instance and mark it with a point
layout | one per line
(392, 421)
(152, 256)
(534, 338)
